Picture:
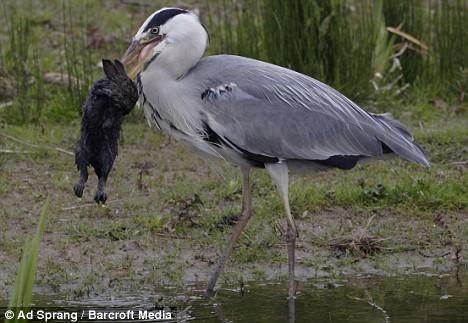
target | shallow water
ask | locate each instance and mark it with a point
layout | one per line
(415, 298)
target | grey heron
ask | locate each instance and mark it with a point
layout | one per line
(253, 114)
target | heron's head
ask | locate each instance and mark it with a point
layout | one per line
(174, 37)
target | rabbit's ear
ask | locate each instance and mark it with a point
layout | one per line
(109, 68)
(120, 67)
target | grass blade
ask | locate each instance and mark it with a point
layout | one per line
(22, 294)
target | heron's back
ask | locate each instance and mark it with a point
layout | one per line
(278, 113)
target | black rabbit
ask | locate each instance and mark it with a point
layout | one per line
(108, 101)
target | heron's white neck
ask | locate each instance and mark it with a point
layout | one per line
(184, 46)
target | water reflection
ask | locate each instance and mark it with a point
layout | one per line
(291, 310)
(413, 298)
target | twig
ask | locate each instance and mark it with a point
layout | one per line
(67, 152)
(59, 78)
(434, 256)
(371, 302)
(408, 37)
(369, 222)
(9, 151)
(184, 315)
(74, 207)
(170, 236)
(459, 163)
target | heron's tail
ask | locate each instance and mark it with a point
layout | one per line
(400, 140)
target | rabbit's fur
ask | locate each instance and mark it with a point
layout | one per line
(108, 101)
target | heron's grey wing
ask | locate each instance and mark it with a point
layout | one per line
(269, 110)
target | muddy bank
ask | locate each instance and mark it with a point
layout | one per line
(332, 244)
(169, 216)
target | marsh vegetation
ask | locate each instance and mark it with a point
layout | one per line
(168, 213)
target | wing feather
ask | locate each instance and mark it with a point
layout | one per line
(277, 112)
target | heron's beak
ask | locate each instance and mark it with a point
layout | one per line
(137, 54)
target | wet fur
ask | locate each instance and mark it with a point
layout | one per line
(108, 101)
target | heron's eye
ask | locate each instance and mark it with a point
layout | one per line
(155, 30)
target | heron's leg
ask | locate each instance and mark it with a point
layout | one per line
(244, 218)
(279, 174)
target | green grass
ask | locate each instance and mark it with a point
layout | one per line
(153, 231)
(22, 293)
(68, 38)
(341, 42)
(170, 236)
(21, 62)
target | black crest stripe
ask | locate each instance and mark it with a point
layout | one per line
(162, 17)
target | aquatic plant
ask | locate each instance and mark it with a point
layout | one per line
(22, 293)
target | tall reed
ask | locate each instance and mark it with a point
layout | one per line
(345, 42)
(17, 56)
(78, 64)
(21, 65)
(449, 40)
(22, 294)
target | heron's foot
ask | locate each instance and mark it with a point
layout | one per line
(292, 289)
(281, 227)
(100, 197)
(79, 188)
(237, 230)
(240, 224)
(291, 235)
(291, 310)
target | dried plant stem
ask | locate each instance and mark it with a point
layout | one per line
(61, 150)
